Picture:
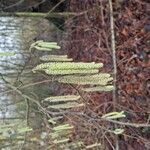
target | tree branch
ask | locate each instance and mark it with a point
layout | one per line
(44, 15)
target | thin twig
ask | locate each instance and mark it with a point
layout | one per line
(13, 5)
(26, 86)
(136, 125)
(26, 97)
(113, 47)
(42, 15)
(56, 6)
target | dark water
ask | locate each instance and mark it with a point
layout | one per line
(16, 35)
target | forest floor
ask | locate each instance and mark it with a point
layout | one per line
(89, 39)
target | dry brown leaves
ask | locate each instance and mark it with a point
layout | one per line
(88, 39)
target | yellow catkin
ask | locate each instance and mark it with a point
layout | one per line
(51, 45)
(61, 141)
(68, 65)
(62, 98)
(66, 105)
(63, 127)
(55, 58)
(84, 80)
(42, 48)
(75, 71)
(99, 88)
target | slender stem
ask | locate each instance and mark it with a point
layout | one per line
(56, 6)
(113, 47)
(136, 125)
(27, 85)
(44, 15)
